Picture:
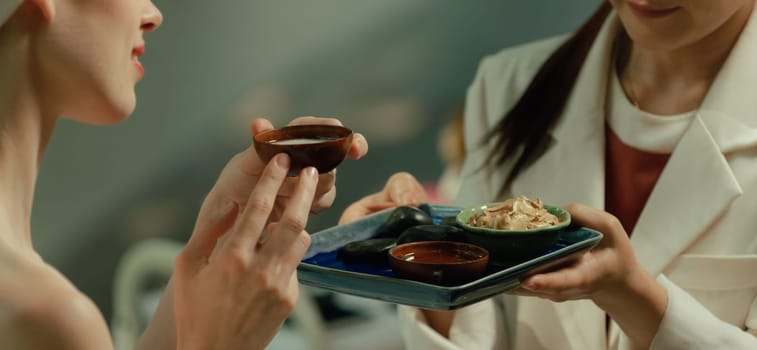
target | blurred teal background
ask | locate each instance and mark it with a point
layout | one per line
(394, 70)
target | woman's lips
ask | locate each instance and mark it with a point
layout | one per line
(138, 66)
(650, 12)
(136, 53)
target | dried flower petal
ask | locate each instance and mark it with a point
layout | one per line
(519, 213)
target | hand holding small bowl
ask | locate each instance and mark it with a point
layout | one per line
(254, 159)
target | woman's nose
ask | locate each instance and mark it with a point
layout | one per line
(151, 18)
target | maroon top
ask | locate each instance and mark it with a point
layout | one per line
(630, 176)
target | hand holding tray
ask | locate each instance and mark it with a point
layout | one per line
(323, 268)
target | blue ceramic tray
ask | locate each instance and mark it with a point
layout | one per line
(322, 267)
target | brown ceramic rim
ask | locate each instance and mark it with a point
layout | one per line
(468, 246)
(304, 131)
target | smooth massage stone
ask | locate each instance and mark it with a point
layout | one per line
(369, 251)
(400, 220)
(432, 233)
(450, 221)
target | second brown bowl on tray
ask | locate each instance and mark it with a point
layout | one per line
(443, 263)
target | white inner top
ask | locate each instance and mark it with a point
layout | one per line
(640, 129)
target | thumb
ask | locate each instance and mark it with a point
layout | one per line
(404, 189)
(364, 207)
(259, 125)
(595, 219)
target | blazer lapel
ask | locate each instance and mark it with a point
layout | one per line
(693, 190)
(697, 185)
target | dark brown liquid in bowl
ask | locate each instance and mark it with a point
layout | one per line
(440, 257)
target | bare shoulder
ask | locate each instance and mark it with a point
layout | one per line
(41, 309)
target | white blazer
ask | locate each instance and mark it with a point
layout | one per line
(697, 232)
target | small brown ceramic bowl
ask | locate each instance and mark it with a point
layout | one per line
(320, 146)
(443, 263)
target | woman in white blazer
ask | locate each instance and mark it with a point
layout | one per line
(687, 276)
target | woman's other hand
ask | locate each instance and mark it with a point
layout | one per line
(400, 189)
(235, 281)
(609, 275)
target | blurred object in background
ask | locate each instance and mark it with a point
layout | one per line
(391, 69)
(451, 149)
(143, 273)
(265, 101)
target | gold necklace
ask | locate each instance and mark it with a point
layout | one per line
(621, 54)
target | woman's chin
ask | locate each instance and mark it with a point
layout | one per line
(104, 114)
(103, 118)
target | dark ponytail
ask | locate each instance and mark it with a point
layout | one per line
(524, 128)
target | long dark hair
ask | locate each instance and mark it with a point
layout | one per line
(520, 135)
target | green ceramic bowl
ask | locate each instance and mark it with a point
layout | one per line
(508, 247)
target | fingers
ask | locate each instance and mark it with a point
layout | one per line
(260, 203)
(293, 288)
(578, 280)
(568, 282)
(315, 120)
(359, 147)
(324, 201)
(401, 189)
(259, 125)
(285, 239)
(523, 292)
(598, 220)
(593, 272)
(287, 258)
(520, 291)
(404, 189)
(365, 206)
(212, 223)
(553, 287)
(325, 192)
(326, 183)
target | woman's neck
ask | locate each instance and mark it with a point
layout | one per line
(25, 130)
(676, 81)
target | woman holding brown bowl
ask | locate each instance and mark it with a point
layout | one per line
(235, 281)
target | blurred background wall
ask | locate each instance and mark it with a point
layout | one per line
(394, 70)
